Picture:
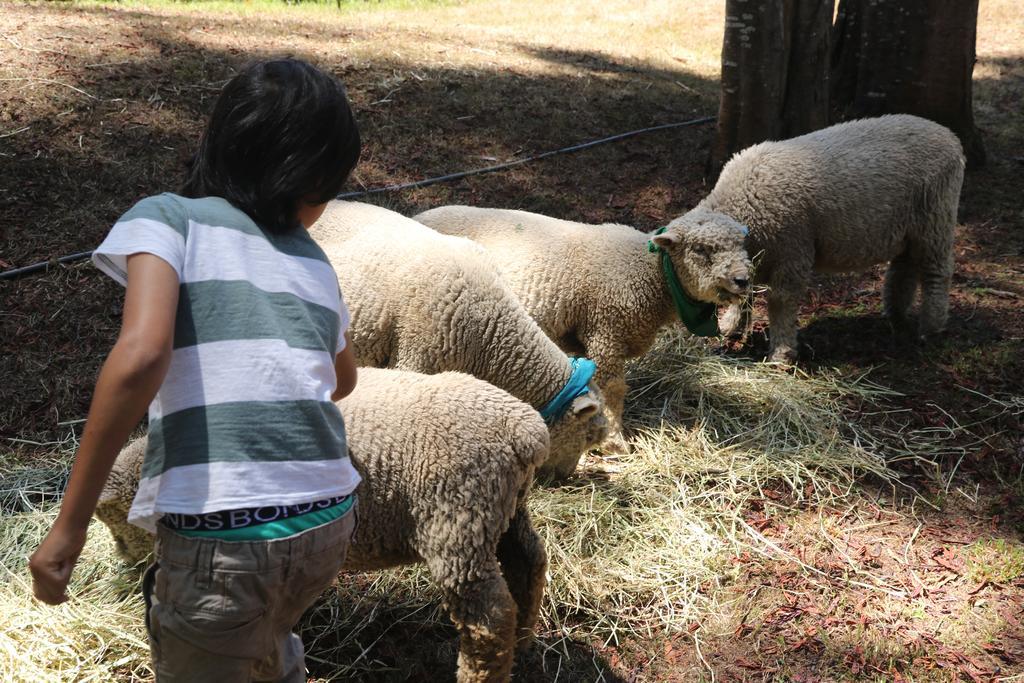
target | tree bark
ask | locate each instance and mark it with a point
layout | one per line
(774, 73)
(891, 56)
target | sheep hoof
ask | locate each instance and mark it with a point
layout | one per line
(902, 324)
(784, 355)
(554, 474)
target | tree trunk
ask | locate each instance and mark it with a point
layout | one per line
(891, 56)
(774, 73)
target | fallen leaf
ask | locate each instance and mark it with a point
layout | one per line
(747, 664)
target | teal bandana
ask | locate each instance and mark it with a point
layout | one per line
(582, 371)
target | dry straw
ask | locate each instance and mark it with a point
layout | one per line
(638, 543)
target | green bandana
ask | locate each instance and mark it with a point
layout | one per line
(699, 317)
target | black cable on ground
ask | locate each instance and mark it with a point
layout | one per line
(44, 265)
(71, 258)
(517, 162)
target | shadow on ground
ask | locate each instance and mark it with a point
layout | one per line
(388, 637)
(131, 95)
(92, 155)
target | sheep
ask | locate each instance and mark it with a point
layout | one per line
(603, 290)
(424, 302)
(843, 199)
(446, 462)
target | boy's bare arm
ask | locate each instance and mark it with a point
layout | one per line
(128, 381)
(344, 371)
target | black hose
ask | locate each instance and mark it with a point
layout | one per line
(517, 162)
(43, 265)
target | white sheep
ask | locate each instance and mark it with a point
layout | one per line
(447, 461)
(428, 303)
(843, 199)
(600, 290)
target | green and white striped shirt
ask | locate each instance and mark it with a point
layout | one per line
(244, 416)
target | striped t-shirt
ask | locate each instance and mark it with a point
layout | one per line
(244, 416)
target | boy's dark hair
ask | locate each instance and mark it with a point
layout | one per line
(281, 131)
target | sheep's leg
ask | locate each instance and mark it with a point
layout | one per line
(132, 543)
(615, 395)
(935, 266)
(611, 379)
(786, 285)
(783, 305)
(737, 319)
(523, 563)
(900, 286)
(484, 613)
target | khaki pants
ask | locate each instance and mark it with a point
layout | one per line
(223, 611)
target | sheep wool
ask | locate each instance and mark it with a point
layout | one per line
(428, 303)
(447, 461)
(598, 289)
(843, 199)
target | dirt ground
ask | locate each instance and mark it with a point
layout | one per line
(101, 105)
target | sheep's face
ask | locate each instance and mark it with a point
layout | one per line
(707, 250)
(582, 427)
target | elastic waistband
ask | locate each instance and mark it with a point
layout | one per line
(227, 520)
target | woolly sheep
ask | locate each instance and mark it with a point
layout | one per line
(843, 199)
(428, 303)
(446, 462)
(598, 289)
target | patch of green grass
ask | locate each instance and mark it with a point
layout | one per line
(857, 309)
(995, 560)
(997, 273)
(854, 311)
(984, 359)
(915, 610)
(937, 498)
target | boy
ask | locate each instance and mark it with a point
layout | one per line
(235, 333)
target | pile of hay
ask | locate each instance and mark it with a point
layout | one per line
(638, 544)
(98, 636)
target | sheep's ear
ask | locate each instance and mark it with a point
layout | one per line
(584, 405)
(666, 239)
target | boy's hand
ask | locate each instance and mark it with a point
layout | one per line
(52, 562)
